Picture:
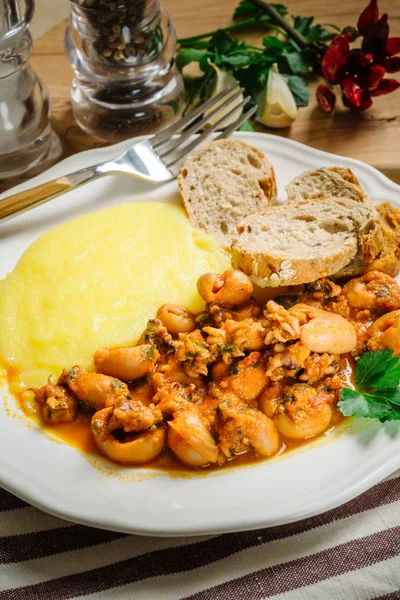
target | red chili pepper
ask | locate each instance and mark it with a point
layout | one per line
(336, 58)
(326, 98)
(358, 61)
(368, 17)
(372, 78)
(376, 39)
(386, 86)
(360, 72)
(392, 64)
(365, 101)
(351, 90)
(393, 46)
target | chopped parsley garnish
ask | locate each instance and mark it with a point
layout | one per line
(97, 429)
(71, 373)
(233, 369)
(228, 348)
(117, 385)
(377, 394)
(147, 353)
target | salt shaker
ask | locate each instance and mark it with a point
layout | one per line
(28, 144)
(126, 82)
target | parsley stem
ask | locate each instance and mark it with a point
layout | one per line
(195, 38)
(256, 48)
(279, 20)
(332, 26)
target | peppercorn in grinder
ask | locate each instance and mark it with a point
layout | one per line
(126, 82)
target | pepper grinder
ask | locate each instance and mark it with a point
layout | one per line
(126, 82)
(28, 144)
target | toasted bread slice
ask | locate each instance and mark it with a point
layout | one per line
(378, 243)
(298, 243)
(339, 182)
(223, 182)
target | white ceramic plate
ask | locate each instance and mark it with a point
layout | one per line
(57, 478)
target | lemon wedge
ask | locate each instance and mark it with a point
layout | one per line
(277, 107)
(221, 81)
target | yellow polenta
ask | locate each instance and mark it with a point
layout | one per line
(94, 282)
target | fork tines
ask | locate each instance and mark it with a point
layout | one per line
(173, 151)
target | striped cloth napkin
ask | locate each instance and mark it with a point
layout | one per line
(351, 552)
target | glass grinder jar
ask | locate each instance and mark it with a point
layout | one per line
(27, 143)
(126, 82)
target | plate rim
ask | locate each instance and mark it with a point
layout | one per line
(369, 479)
(245, 135)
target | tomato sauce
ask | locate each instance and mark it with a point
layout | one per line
(78, 433)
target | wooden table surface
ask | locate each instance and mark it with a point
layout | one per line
(372, 136)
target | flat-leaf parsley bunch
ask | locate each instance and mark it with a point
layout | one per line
(295, 50)
(250, 65)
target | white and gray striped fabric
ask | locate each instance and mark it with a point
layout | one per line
(351, 552)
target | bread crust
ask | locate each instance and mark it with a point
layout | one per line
(272, 271)
(253, 252)
(388, 260)
(371, 242)
(208, 166)
(235, 182)
(346, 174)
(321, 183)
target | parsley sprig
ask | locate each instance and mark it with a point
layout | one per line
(377, 394)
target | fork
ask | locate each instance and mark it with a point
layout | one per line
(155, 160)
